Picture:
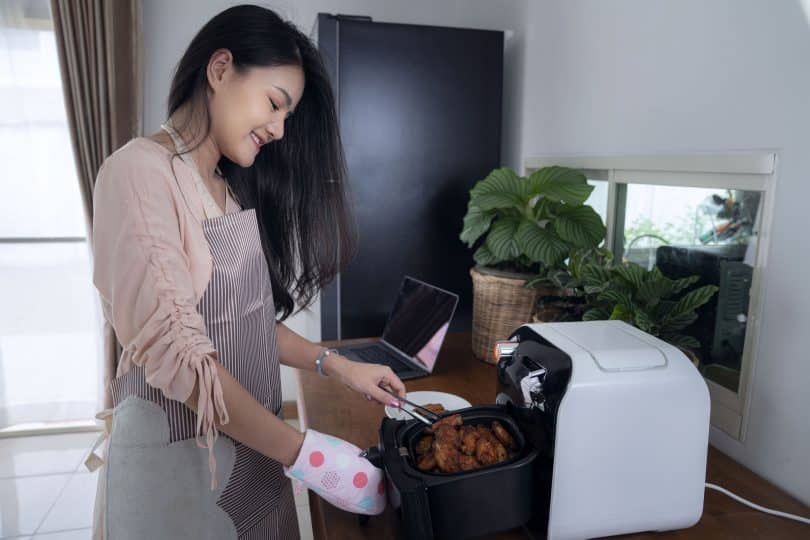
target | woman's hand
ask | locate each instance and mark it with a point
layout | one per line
(366, 378)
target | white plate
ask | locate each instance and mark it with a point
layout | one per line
(450, 402)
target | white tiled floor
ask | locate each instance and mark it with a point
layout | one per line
(47, 493)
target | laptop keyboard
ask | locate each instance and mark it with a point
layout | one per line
(379, 355)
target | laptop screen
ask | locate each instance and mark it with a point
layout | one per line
(419, 320)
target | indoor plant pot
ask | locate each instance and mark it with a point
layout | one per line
(519, 226)
(501, 303)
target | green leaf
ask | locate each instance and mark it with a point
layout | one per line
(682, 284)
(539, 244)
(632, 273)
(484, 256)
(560, 184)
(615, 296)
(595, 276)
(580, 225)
(644, 322)
(503, 188)
(581, 257)
(563, 280)
(595, 314)
(501, 239)
(621, 313)
(537, 281)
(651, 292)
(476, 223)
(680, 321)
(544, 208)
(681, 340)
(693, 300)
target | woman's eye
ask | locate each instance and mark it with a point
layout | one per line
(273, 103)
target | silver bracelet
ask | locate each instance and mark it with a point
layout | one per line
(320, 359)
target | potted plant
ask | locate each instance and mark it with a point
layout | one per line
(561, 295)
(647, 299)
(519, 227)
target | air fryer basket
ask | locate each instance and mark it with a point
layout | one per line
(431, 503)
(478, 415)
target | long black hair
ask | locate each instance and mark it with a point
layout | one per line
(296, 184)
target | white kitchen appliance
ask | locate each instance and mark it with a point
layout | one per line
(621, 421)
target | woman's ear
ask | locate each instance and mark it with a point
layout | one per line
(219, 65)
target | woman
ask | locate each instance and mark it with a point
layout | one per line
(204, 234)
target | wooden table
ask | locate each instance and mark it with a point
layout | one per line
(326, 405)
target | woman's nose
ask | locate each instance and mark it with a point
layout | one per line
(275, 130)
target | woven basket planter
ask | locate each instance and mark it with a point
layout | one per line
(500, 305)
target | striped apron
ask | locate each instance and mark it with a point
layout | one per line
(158, 484)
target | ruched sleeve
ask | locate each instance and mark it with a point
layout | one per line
(143, 275)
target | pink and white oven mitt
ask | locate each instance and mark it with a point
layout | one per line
(333, 469)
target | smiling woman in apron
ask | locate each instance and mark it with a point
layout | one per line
(206, 236)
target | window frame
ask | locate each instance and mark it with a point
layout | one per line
(750, 171)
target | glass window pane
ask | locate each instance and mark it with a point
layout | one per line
(598, 199)
(710, 233)
(50, 321)
(40, 188)
(49, 333)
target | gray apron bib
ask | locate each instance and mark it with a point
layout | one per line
(157, 478)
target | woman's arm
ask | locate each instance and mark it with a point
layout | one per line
(251, 424)
(295, 351)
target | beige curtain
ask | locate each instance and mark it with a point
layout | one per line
(100, 57)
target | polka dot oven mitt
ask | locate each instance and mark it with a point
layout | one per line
(333, 469)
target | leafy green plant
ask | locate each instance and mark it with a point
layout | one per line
(568, 274)
(525, 224)
(563, 298)
(644, 298)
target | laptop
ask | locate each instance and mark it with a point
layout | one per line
(414, 332)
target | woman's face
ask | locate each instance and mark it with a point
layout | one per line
(249, 110)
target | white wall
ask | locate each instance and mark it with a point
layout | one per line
(649, 76)
(169, 27)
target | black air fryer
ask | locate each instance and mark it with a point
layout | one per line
(496, 498)
(459, 505)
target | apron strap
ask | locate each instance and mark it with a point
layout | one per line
(210, 207)
(94, 460)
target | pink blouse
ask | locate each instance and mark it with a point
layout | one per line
(151, 265)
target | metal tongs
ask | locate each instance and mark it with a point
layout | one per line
(426, 416)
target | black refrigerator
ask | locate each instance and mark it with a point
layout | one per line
(420, 119)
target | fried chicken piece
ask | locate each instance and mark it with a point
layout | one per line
(423, 445)
(468, 463)
(500, 451)
(452, 420)
(502, 434)
(469, 437)
(490, 451)
(447, 456)
(426, 462)
(486, 434)
(452, 447)
(438, 408)
(448, 435)
(485, 452)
